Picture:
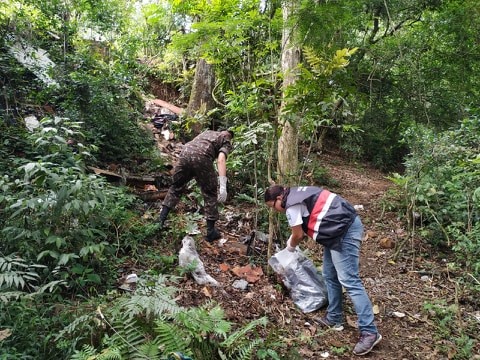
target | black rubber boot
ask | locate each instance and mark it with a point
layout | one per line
(163, 215)
(212, 232)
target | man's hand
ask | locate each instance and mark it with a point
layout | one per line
(222, 195)
(290, 247)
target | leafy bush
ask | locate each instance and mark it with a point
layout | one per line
(59, 216)
(107, 100)
(442, 181)
(29, 324)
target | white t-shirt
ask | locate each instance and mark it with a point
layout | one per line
(295, 214)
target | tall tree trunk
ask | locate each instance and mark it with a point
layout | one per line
(201, 99)
(287, 166)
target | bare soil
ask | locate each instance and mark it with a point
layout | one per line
(400, 272)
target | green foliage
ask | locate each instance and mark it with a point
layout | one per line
(31, 321)
(149, 324)
(58, 216)
(248, 162)
(317, 100)
(96, 81)
(234, 35)
(322, 67)
(442, 182)
(452, 336)
(95, 94)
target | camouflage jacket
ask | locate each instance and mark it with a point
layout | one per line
(208, 144)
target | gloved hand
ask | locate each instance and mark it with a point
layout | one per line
(290, 247)
(222, 195)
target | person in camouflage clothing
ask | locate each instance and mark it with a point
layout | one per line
(196, 162)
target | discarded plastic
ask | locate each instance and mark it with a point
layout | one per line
(131, 278)
(188, 255)
(301, 277)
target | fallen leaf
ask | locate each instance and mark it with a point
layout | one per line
(206, 292)
(248, 273)
(351, 321)
(5, 334)
(224, 267)
(386, 243)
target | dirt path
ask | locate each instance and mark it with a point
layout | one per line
(399, 287)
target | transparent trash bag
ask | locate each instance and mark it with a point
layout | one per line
(302, 278)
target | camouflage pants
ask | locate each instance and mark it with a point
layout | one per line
(202, 170)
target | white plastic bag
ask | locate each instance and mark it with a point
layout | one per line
(301, 277)
(188, 255)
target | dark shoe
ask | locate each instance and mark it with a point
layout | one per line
(163, 215)
(213, 234)
(163, 225)
(366, 343)
(323, 321)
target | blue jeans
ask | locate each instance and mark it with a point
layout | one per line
(341, 268)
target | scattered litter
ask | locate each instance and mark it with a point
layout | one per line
(325, 354)
(398, 314)
(240, 284)
(129, 282)
(131, 278)
(425, 278)
(31, 123)
(358, 207)
(188, 256)
(477, 316)
(261, 236)
(34, 59)
(5, 334)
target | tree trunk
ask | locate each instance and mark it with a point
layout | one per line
(288, 142)
(201, 99)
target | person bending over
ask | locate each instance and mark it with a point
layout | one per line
(196, 161)
(333, 222)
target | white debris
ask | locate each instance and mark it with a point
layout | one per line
(131, 278)
(358, 207)
(240, 284)
(398, 314)
(36, 60)
(31, 123)
(188, 255)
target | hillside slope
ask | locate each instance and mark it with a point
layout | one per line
(400, 274)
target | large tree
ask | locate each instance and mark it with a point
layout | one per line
(288, 141)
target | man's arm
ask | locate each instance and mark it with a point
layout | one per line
(222, 164)
(222, 176)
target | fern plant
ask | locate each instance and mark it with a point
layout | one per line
(149, 324)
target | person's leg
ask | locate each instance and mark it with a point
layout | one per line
(334, 290)
(207, 180)
(181, 176)
(346, 262)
